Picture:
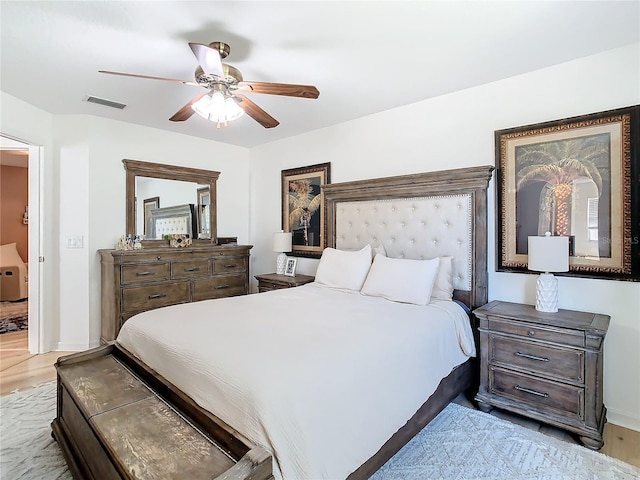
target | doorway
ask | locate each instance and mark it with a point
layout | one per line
(32, 157)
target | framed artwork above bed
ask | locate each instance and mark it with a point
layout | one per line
(304, 208)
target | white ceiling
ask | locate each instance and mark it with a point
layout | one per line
(363, 56)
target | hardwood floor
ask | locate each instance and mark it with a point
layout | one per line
(19, 370)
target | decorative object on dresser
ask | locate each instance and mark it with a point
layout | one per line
(546, 366)
(548, 254)
(276, 281)
(134, 281)
(281, 244)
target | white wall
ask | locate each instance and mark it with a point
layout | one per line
(34, 126)
(457, 130)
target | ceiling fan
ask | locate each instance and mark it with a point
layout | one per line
(225, 100)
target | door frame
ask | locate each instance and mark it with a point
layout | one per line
(35, 232)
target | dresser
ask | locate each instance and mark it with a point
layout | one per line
(545, 366)
(274, 281)
(134, 281)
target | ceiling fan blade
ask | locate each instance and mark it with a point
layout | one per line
(288, 89)
(186, 82)
(208, 58)
(255, 112)
(185, 112)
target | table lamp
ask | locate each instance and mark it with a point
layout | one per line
(548, 254)
(281, 244)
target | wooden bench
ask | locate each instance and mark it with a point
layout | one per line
(117, 419)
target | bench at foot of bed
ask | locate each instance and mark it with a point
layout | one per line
(117, 420)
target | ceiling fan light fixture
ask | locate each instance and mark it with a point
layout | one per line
(218, 108)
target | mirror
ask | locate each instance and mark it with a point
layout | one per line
(154, 186)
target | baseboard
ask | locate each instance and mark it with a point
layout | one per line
(623, 420)
(71, 347)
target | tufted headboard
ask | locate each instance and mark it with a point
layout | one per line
(418, 216)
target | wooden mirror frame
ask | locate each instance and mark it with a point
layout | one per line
(135, 168)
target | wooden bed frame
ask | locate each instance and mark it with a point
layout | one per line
(89, 452)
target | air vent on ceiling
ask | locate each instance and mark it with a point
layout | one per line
(105, 102)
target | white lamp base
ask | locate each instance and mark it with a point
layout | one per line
(280, 263)
(547, 293)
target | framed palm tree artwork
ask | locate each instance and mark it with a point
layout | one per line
(576, 177)
(303, 208)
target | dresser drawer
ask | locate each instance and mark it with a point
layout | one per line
(560, 363)
(229, 265)
(190, 269)
(220, 286)
(542, 395)
(140, 299)
(145, 272)
(550, 334)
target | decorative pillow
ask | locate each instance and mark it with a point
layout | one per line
(443, 288)
(401, 280)
(344, 269)
(9, 256)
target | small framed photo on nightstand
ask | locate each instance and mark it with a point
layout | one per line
(290, 268)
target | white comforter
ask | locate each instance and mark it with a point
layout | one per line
(321, 378)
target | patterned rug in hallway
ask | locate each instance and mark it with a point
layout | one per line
(14, 316)
(460, 444)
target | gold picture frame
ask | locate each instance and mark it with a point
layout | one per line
(304, 208)
(575, 177)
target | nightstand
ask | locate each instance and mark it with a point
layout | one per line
(273, 281)
(545, 366)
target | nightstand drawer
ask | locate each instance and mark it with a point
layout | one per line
(549, 334)
(542, 395)
(560, 363)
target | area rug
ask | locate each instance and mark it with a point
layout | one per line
(459, 444)
(14, 316)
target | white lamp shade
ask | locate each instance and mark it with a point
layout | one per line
(549, 254)
(282, 242)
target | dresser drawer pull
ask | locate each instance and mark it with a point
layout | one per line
(532, 392)
(144, 274)
(220, 287)
(230, 265)
(532, 333)
(192, 269)
(532, 357)
(157, 295)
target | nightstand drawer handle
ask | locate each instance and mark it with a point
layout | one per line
(532, 392)
(192, 269)
(230, 265)
(157, 295)
(220, 287)
(532, 357)
(143, 274)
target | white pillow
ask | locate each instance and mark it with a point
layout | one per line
(344, 269)
(443, 287)
(401, 280)
(9, 256)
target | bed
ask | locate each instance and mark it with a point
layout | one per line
(331, 378)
